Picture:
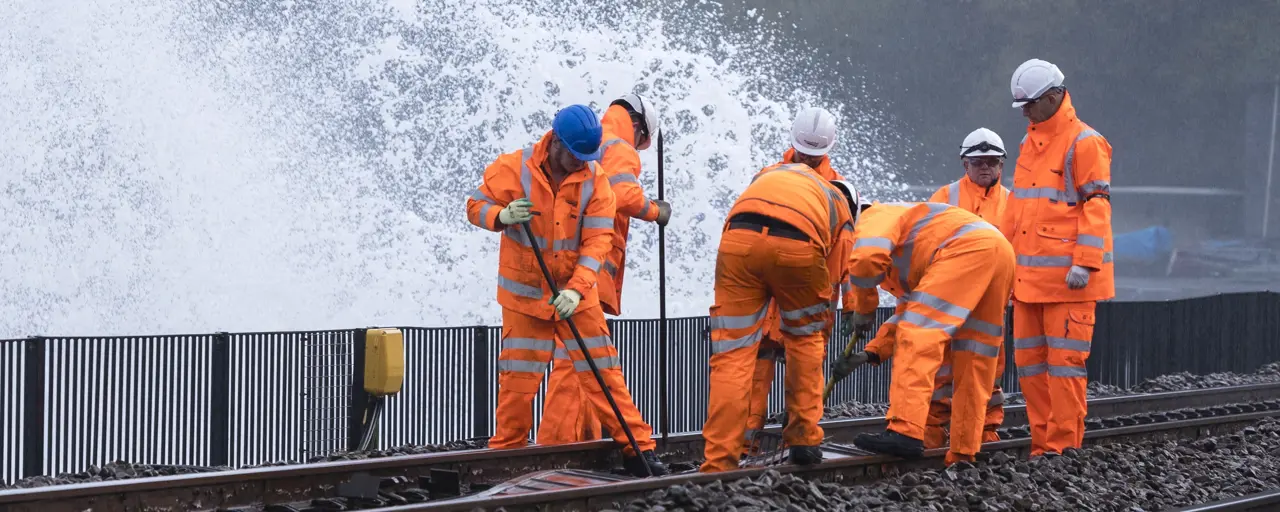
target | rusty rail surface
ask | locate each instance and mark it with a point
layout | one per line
(480, 469)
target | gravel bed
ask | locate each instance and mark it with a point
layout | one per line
(1155, 475)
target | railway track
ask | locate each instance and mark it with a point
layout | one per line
(496, 477)
(1269, 500)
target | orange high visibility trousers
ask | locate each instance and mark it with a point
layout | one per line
(751, 268)
(957, 307)
(567, 413)
(761, 382)
(936, 432)
(528, 344)
(1051, 343)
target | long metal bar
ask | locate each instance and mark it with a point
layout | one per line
(664, 416)
(1271, 159)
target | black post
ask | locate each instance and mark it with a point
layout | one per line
(664, 415)
(481, 382)
(359, 397)
(33, 407)
(220, 400)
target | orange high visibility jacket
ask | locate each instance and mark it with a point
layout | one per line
(823, 169)
(573, 228)
(795, 194)
(621, 165)
(987, 203)
(893, 245)
(1059, 213)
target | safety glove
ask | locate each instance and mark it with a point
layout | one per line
(664, 212)
(852, 321)
(516, 212)
(565, 302)
(846, 365)
(1077, 277)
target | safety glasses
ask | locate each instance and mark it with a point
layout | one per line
(983, 161)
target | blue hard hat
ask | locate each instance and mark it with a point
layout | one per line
(579, 130)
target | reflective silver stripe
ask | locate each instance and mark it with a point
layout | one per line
(1067, 371)
(903, 261)
(796, 314)
(1096, 186)
(846, 287)
(625, 177)
(972, 226)
(601, 363)
(738, 322)
(743, 342)
(528, 344)
(1031, 342)
(809, 328)
(984, 327)
(936, 303)
(598, 223)
(611, 268)
(526, 176)
(645, 211)
(997, 398)
(516, 365)
(605, 145)
(867, 282)
(589, 262)
(595, 342)
(1070, 192)
(1089, 241)
(893, 320)
(520, 289)
(943, 371)
(874, 241)
(1052, 194)
(1055, 261)
(1024, 139)
(588, 189)
(566, 244)
(942, 393)
(953, 193)
(484, 213)
(1032, 370)
(975, 347)
(925, 322)
(1069, 344)
(480, 196)
(516, 233)
(562, 353)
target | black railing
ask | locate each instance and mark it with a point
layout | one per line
(237, 399)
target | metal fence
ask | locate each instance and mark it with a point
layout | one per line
(238, 399)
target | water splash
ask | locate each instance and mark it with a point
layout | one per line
(200, 166)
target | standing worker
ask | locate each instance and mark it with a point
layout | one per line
(1059, 220)
(572, 225)
(813, 134)
(786, 240)
(951, 272)
(630, 124)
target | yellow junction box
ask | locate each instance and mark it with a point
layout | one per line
(383, 361)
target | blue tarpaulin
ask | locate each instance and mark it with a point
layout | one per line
(1149, 245)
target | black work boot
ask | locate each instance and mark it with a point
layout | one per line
(805, 455)
(635, 465)
(891, 443)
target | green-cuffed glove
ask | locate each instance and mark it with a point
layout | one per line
(566, 302)
(518, 211)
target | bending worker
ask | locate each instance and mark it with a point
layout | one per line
(951, 272)
(572, 226)
(813, 134)
(1059, 220)
(630, 124)
(786, 240)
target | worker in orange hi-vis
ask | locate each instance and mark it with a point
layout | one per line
(951, 272)
(573, 227)
(630, 124)
(786, 240)
(813, 134)
(1059, 220)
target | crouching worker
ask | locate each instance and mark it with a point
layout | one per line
(573, 227)
(787, 239)
(951, 272)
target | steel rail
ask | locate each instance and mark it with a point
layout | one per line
(1268, 500)
(275, 484)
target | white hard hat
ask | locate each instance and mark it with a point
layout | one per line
(982, 142)
(856, 202)
(644, 108)
(814, 131)
(1032, 79)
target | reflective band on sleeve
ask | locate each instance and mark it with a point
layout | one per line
(480, 196)
(516, 365)
(874, 241)
(1070, 192)
(622, 178)
(609, 142)
(1089, 241)
(973, 346)
(528, 344)
(893, 320)
(867, 282)
(1096, 187)
(645, 211)
(589, 262)
(611, 268)
(484, 214)
(520, 289)
(598, 223)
